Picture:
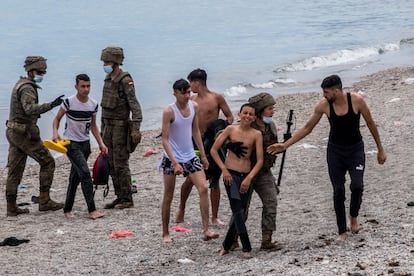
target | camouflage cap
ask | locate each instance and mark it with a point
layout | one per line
(261, 100)
(113, 54)
(35, 62)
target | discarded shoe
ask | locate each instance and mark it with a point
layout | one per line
(411, 203)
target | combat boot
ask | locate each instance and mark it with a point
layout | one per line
(12, 209)
(46, 204)
(267, 243)
(112, 204)
(126, 203)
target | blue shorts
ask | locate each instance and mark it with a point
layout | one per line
(189, 167)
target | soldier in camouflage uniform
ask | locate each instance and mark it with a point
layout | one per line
(264, 182)
(120, 134)
(24, 137)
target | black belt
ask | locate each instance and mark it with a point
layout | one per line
(115, 122)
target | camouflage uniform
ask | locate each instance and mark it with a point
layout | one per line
(118, 102)
(24, 139)
(264, 183)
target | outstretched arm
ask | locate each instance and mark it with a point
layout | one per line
(301, 133)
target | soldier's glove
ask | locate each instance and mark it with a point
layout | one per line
(237, 148)
(57, 101)
(136, 136)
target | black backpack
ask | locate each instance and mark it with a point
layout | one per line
(213, 129)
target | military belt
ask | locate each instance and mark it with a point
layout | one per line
(15, 125)
(110, 122)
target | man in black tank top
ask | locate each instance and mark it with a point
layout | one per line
(345, 151)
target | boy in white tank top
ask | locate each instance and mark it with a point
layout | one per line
(179, 126)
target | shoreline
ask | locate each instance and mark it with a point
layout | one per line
(305, 220)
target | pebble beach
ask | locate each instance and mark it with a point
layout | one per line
(305, 221)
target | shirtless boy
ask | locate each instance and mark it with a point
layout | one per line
(238, 174)
(209, 103)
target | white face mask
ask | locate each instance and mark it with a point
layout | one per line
(267, 120)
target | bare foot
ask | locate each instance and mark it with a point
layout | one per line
(355, 226)
(95, 214)
(167, 238)
(342, 237)
(217, 222)
(247, 255)
(223, 251)
(208, 235)
(179, 216)
(69, 215)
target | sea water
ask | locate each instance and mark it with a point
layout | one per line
(246, 47)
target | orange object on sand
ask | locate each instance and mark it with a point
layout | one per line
(59, 146)
(121, 234)
(178, 228)
(150, 152)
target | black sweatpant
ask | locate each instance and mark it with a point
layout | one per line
(342, 159)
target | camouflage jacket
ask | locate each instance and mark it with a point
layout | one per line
(119, 100)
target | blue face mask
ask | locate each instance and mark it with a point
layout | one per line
(37, 79)
(267, 120)
(108, 69)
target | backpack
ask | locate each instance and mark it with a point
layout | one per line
(212, 131)
(100, 173)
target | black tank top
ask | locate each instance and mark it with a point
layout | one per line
(345, 128)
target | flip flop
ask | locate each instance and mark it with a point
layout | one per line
(59, 146)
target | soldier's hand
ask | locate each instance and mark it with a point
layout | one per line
(237, 148)
(136, 136)
(57, 101)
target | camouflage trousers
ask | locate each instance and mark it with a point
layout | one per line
(264, 183)
(20, 147)
(115, 138)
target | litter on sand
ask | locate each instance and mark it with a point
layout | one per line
(308, 146)
(121, 234)
(150, 152)
(178, 228)
(185, 261)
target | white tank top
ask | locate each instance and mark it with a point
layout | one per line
(180, 137)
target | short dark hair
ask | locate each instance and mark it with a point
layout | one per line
(83, 77)
(247, 105)
(198, 75)
(181, 85)
(333, 81)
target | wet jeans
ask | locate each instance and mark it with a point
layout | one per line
(78, 153)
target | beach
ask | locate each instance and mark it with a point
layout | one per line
(306, 224)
